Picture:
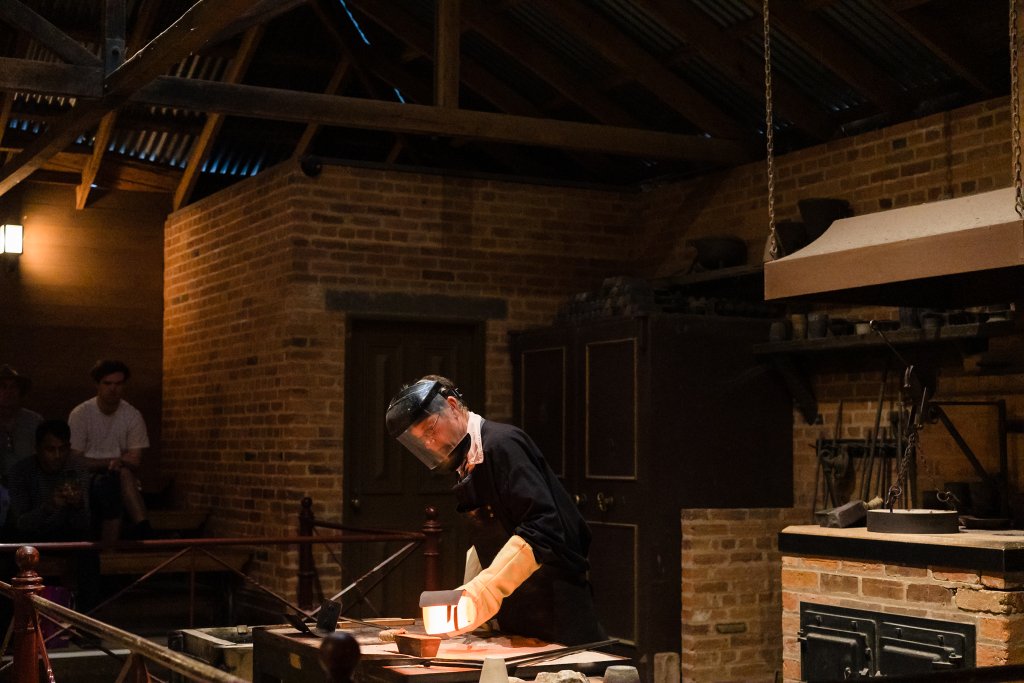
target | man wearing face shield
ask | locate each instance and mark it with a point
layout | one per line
(529, 534)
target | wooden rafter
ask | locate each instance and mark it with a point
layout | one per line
(20, 16)
(69, 80)
(351, 112)
(689, 22)
(194, 28)
(943, 42)
(204, 143)
(334, 86)
(447, 34)
(143, 26)
(818, 39)
(474, 75)
(617, 48)
(545, 65)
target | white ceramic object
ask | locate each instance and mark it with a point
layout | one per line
(620, 673)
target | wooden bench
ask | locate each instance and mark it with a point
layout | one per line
(139, 562)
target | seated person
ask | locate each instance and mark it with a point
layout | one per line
(49, 502)
(110, 434)
(49, 492)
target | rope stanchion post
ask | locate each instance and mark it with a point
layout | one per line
(432, 550)
(307, 571)
(339, 655)
(26, 638)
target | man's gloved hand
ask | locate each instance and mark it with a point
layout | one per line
(483, 595)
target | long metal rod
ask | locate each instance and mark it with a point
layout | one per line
(174, 661)
(166, 543)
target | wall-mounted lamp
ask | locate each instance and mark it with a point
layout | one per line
(11, 245)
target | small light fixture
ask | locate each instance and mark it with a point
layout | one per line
(11, 236)
(441, 612)
(11, 244)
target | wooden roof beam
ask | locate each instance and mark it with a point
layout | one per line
(405, 28)
(831, 49)
(447, 34)
(287, 105)
(695, 26)
(604, 37)
(544, 64)
(198, 25)
(475, 76)
(334, 86)
(21, 17)
(940, 41)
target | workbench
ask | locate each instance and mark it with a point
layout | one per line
(281, 654)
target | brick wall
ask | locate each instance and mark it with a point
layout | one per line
(993, 602)
(254, 363)
(731, 594)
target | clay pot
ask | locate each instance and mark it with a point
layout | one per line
(791, 236)
(719, 252)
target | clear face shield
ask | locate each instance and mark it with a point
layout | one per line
(418, 418)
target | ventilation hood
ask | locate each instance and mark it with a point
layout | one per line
(953, 253)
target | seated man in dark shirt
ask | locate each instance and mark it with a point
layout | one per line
(49, 502)
(49, 491)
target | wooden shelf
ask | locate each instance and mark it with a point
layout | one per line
(786, 355)
(949, 334)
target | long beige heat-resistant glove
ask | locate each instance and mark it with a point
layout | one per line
(513, 564)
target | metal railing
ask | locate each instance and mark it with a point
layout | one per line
(29, 646)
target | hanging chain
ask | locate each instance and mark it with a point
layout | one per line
(769, 135)
(1015, 109)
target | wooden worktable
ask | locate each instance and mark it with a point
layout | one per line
(283, 655)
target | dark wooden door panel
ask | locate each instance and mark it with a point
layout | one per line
(614, 577)
(543, 402)
(611, 409)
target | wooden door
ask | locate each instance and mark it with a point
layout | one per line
(386, 487)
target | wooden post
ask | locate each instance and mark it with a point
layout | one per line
(339, 654)
(306, 570)
(26, 636)
(432, 551)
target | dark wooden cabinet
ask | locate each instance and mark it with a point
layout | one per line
(643, 417)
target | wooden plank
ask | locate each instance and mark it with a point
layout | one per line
(20, 16)
(71, 80)
(282, 105)
(192, 30)
(447, 34)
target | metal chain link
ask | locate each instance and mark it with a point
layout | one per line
(769, 134)
(1015, 109)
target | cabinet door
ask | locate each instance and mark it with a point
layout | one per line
(606, 473)
(541, 385)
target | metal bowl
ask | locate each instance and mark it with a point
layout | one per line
(921, 521)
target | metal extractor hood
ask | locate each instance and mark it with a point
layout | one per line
(967, 251)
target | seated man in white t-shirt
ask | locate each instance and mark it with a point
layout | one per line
(111, 434)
